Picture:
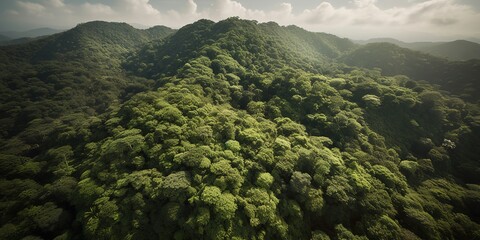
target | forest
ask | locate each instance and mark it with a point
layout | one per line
(235, 130)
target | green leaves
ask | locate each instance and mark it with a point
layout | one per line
(223, 203)
(260, 206)
(264, 180)
(372, 101)
(176, 186)
(230, 130)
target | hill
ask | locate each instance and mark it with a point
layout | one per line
(33, 33)
(459, 50)
(77, 70)
(456, 77)
(253, 46)
(230, 130)
(18, 41)
(4, 38)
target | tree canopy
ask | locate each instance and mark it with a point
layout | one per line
(231, 130)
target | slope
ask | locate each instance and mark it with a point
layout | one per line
(459, 50)
(33, 33)
(77, 70)
(457, 77)
(4, 38)
(248, 43)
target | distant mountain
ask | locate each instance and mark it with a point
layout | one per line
(4, 38)
(475, 40)
(459, 50)
(378, 40)
(20, 40)
(91, 41)
(457, 77)
(31, 33)
(13, 37)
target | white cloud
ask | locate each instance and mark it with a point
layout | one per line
(191, 7)
(364, 3)
(12, 12)
(31, 8)
(96, 9)
(436, 18)
(57, 3)
(139, 7)
(323, 14)
(221, 9)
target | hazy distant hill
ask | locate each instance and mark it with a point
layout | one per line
(14, 37)
(475, 40)
(457, 77)
(456, 50)
(4, 38)
(459, 50)
(20, 40)
(31, 33)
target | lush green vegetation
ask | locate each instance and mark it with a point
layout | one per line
(455, 77)
(228, 130)
(458, 50)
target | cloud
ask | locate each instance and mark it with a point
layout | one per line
(221, 9)
(96, 9)
(437, 18)
(438, 12)
(139, 7)
(323, 14)
(12, 12)
(31, 8)
(56, 3)
(191, 7)
(360, 19)
(364, 3)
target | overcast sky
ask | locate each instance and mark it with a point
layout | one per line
(408, 20)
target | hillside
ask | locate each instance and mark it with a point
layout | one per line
(457, 77)
(74, 71)
(253, 46)
(231, 130)
(459, 50)
(4, 38)
(33, 33)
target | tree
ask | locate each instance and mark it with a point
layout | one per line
(300, 182)
(260, 206)
(223, 203)
(176, 186)
(264, 180)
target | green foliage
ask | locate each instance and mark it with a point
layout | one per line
(384, 228)
(223, 203)
(264, 180)
(233, 130)
(176, 186)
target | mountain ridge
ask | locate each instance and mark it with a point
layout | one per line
(33, 33)
(457, 50)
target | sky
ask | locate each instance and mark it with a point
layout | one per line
(407, 20)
